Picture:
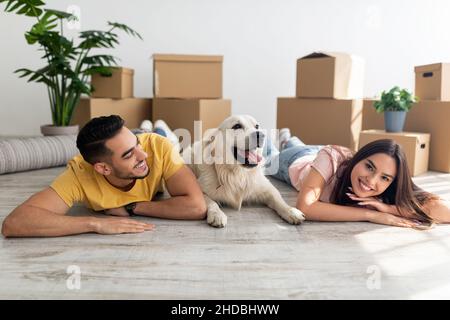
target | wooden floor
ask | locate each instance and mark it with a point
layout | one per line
(257, 256)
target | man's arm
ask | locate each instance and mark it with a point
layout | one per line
(44, 215)
(186, 202)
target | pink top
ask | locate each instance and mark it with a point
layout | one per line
(325, 162)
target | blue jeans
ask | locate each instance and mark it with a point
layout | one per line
(290, 152)
(159, 131)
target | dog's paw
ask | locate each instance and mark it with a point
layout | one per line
(294, 216)
(217, 218)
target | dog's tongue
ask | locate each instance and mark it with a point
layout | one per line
(253, 157)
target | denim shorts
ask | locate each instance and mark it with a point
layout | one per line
(286, 157)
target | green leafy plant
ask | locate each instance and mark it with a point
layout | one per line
(395, 99)
(68, 66)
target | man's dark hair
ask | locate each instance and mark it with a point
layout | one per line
(92, 137)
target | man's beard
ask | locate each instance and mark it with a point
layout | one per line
(121, 175)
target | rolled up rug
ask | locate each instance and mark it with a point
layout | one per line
(22, 154)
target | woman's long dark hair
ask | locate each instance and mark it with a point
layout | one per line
(402, 192)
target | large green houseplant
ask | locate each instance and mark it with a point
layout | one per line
(395, 104)
(68, 66)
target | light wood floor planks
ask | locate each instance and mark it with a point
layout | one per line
(257, 256)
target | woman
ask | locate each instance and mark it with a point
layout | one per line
(373, 184)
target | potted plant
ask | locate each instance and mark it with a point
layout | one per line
(395, 104)
(68, 67)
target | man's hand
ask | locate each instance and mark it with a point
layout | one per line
(118, 212)
(116, 225)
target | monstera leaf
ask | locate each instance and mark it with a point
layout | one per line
(31, 8)
(68, 66)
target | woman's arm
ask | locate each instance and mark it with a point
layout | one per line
(438, 210)
(313, 209)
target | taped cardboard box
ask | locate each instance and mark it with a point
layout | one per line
(187, 76)
(433, 82)
(182, 113)
(433, 117)
(118, 86)
(322, 121)
(132, 110)
(371, 118)
(330, 75)
(415, 145)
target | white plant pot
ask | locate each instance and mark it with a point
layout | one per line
(51, 130)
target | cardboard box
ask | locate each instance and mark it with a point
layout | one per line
(322, 121)
(433, 117)
(433, 82)
(187, 76)
(415, 145)
(181, 113)
(118, 86)
(371, 118)
(132, 110)
(330, 75)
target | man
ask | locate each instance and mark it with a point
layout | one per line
(118, 173)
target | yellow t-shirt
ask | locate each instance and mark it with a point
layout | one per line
(81, 183)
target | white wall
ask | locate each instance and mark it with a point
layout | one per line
(260, 39)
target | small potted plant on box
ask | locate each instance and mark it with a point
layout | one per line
(395, 104)
(68, 66)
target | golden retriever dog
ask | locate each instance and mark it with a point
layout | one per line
(229, 166)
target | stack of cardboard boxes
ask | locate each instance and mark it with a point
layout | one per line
(416, 145)
(113, 95)
(187, 90)
(328, 105)
(430, 115)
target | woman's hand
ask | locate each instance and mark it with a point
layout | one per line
(375, 204)
(392, 220)
(387, 214)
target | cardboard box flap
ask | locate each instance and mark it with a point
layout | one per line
(315, 55)
(327, 54)
(186, 58)
(428, 67)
